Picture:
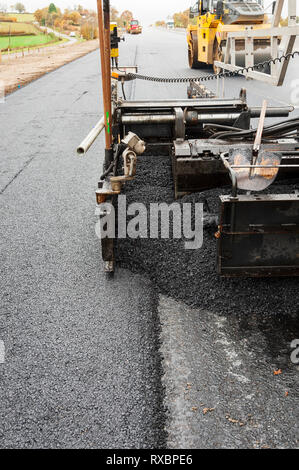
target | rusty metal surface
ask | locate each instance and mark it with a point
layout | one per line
(255, 179)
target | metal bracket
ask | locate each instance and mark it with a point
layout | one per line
(179, 123)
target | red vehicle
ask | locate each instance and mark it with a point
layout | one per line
(134, 27)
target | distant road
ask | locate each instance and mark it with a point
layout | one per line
(71, 40)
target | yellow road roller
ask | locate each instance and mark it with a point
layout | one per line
(214, 20)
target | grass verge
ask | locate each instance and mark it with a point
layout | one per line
(19, 42)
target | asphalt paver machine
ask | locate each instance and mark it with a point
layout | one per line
(212, 144)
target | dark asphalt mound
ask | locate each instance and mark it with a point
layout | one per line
(190, 275)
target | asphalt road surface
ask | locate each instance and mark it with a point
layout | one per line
(88, 361)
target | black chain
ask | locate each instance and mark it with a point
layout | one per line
(227, 73)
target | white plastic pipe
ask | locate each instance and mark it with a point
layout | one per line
(89, 140)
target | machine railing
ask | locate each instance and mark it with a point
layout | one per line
(275, 32)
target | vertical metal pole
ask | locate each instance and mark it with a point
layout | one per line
(227, 50)
(233, 51)
(223, 88)
(292, 13)
(291, 38)
(277, 13)
(104, 38)
(249, 49)
(107, 39)
(104, 23)
(274, 39)
(274, 53)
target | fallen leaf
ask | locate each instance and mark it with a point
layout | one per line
(286, 394)
(194, 408)
(278, 372)
(234, 421)
(207, 410)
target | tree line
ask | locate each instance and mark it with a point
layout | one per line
(79, 19)
(180, 19)
(121, 19)
(17, 7)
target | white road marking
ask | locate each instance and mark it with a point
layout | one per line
(229, 350)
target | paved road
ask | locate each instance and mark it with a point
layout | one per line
(82, 364)
(71, 39)
(81, 358)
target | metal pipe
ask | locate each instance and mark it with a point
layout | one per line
(194, 117)
(211, 117)
(191, 118)
(148, 119)
(254, 112)
(91, 137)
(264, 166)
(282, 111)
(102, 47)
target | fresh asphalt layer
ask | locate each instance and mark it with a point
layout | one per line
(83, 354)
(226, 346)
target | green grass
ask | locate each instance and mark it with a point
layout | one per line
(17, 42)
(27, 17)
(15, 28)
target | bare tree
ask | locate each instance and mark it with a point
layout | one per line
(113, 14)
(20, 7)
(126, 17)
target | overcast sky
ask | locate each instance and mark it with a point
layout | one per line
(147, 11)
